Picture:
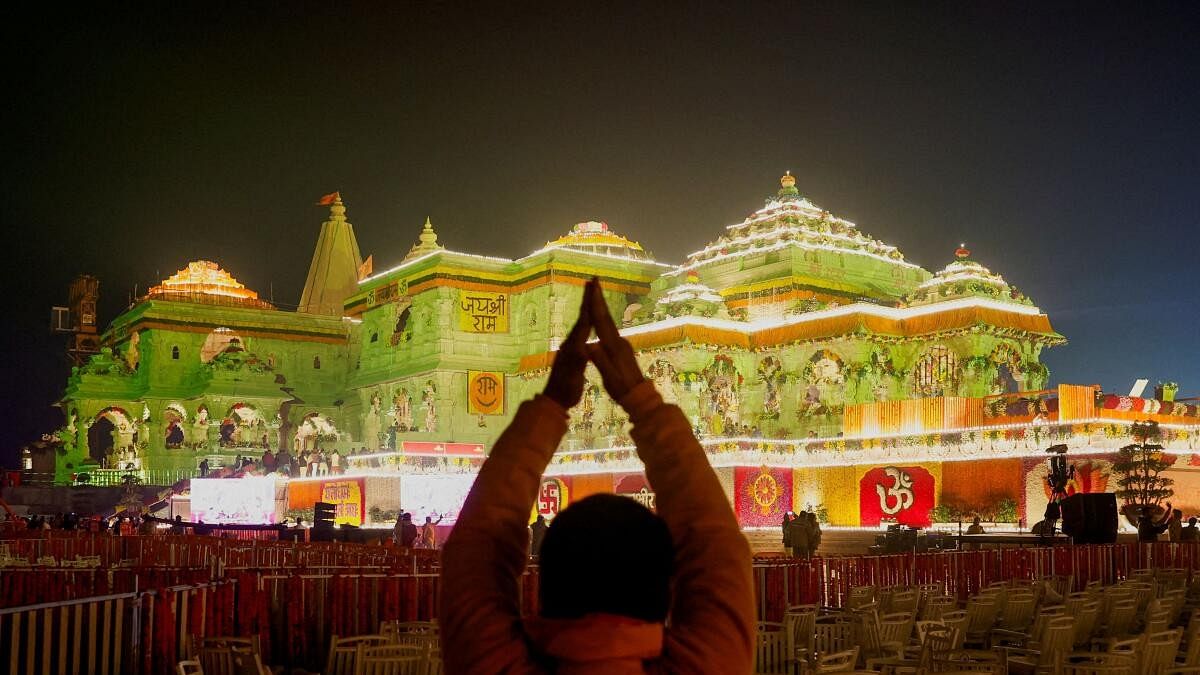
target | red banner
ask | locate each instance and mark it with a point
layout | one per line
(761, 496)
(434, 449)
(636, 487)
(901, 494)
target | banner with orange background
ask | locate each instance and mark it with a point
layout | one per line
(978, 485)
(485, 393)
(837, 489)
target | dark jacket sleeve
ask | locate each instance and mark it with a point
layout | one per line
(712, 617)
(484, 557)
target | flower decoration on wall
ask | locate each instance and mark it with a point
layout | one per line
(762, 495)
(770, 371)
(937, 372)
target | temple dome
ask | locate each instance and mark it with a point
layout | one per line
(426, 242)
(690, 298)
(789, 219)
(965, 278)
(791, 253)
(205, 281)
(597, 237)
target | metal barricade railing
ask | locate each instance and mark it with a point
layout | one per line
(89, 635)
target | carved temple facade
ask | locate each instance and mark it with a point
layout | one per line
(810, 356)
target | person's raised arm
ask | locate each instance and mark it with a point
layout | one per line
(1167, 515)
(485, 554)
(712, 616)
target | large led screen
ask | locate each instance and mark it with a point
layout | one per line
(434, 496)
(247, 501)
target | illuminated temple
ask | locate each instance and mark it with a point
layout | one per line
(821, 369)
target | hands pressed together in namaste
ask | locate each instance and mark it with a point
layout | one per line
(612, 354)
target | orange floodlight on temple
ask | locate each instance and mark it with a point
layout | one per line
(203, 279)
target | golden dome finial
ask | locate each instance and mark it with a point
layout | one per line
(428, 237)
(787, 180)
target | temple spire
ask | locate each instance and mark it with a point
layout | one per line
(426, 242)
(787, 186)
(333, 274)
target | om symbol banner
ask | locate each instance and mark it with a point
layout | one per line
(901, 494)
(481, 312)
(485, 393)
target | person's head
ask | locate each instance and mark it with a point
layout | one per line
(179, 519)
(606, 554)
(428, 519)
(975, 520)
(406, 517)
(1192, 521)
(1177, 514)
(541, 520)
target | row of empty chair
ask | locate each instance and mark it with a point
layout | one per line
(400, 648)
(1148, 624)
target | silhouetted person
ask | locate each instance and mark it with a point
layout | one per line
(814, 533)
(611, 570)
(1190, 533)
(1175, 527)
(787, 535)
(428, 533)
(799, 534)
(537, 534)
(408, 531)
(1148, 529)
(976, 527)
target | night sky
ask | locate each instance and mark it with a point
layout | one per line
(1060, 143)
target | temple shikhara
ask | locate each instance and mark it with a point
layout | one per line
(821, 369)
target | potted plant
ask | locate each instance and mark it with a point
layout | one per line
(1139, 467)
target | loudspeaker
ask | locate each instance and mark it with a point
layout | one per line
(1090, 518)
(323, 513)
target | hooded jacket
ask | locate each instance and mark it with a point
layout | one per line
(712, 620)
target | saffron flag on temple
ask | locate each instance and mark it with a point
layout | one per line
(367, 267)
(329, 199)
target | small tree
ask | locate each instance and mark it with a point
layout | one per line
(1139, 467)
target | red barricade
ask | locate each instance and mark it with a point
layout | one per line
(295, 595)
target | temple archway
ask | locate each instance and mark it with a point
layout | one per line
(243, 426)
(217, 342)
(109, 430)
(174, 416)
(1008, 370)
(100, 438)
(312, 432)
(937, 372)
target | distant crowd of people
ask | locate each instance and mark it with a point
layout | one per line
(1171, 522)
(801, 533)
(312, 463)
(120, 525)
